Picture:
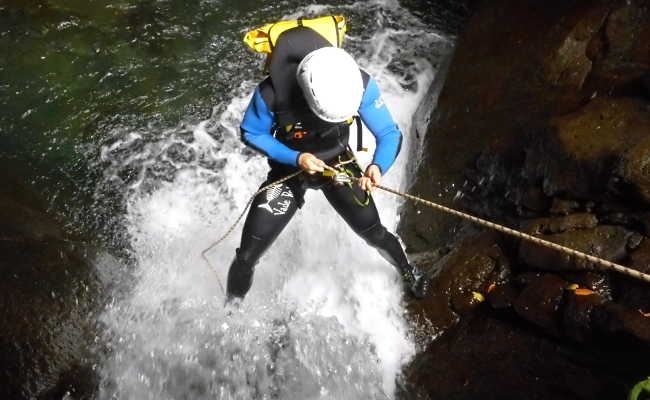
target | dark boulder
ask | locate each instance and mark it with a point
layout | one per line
(470, 268)
(496, 359)
(516, 64)
(540, 301)
(640, 257)
(542, 124)
(633, 293)
(559, 224)
(502, 297)
(577, 316)
(563, 207)
(49, 297)
(608, 242)
(619, 320)
(597, 152)
(621, 52)
(597, 281)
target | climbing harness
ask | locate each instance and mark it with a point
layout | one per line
(344, 176)
(263, 39)
(339, 178)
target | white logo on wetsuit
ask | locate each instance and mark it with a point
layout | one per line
(272, 194)
(379, 102)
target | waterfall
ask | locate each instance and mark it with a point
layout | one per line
(325, 316)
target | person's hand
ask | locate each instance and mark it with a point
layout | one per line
(370, 178)
(311, 164)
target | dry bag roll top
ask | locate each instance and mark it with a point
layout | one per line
(263, 39)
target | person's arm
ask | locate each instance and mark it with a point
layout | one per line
(375, 115)
(256, 130)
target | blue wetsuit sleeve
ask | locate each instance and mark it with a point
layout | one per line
(377, 118)
(256, 130)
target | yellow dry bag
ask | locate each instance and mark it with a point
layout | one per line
(263, 39)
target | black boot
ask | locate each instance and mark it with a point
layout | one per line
(240, 278)
(415, 281)
(390, 248)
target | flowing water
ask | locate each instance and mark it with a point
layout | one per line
(325, 317)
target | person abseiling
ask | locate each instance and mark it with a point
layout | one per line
(299, 117)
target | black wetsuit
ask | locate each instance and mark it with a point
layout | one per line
(272, 209)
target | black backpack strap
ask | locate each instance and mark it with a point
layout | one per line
(268, 94)
(357, 120)
(366, 78)
(338, 35)
(271, 44)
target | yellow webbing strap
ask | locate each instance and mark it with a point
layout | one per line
(263, 39)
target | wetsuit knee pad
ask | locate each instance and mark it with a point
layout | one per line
(248, 257)
(374, 235)
(386, 243)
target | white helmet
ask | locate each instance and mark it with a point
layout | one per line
(331, 83)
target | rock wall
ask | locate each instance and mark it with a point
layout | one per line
(518, 65)
(49, 296)
(543, 124)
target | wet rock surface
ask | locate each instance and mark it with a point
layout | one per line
(607, 242)
(542, 125)
(48, 297)
(540, 301)
(477, 263)
(478, 359)
(559, 224)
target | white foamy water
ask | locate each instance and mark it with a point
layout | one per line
(324, 318)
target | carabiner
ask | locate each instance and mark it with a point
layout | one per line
(341, 178)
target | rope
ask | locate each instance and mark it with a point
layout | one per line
(578, 254)
(232, 227)
(344, 176)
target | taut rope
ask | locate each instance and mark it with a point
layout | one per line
(578, 254)
(342, 178)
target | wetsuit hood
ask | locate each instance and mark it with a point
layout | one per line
(291, 48)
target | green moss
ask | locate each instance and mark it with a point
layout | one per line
(641, 387)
